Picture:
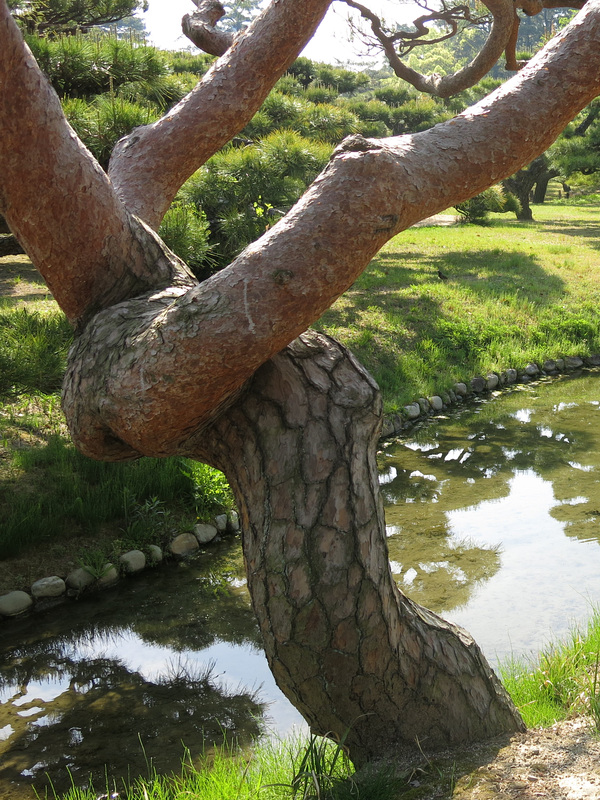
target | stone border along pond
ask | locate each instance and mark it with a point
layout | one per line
(53, 589)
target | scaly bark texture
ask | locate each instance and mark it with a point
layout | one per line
(345, 646)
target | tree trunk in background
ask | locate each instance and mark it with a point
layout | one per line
(541, 186)
(345, 646)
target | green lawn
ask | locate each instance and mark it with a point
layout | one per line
(515, 292)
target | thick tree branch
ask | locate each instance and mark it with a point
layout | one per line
(149, 166)
(216, 335)
(446, 85)
(200, 29)
(97, 258)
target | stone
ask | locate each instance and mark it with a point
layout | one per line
(413, 410)
(79, 579)
(204, 533)
(453, 397)
(478, 385)
(233, 518)
(549, 365)
(221, 523)
(573, 362)
(48, 587)
(155, 554)
(110, 575)
(461, 389)
(492, 381)
(133, 561)
(424, 405)
(593, 361)
(510, 376)
(184, 545)
(532, 370)
(560, 364)
(15, 603)
(436, 402)
(388, 427)
(446, 399)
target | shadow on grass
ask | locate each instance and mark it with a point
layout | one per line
(420, 322)
(491, 273)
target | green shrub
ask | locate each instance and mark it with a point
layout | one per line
(185, 231)
(244, 190)
(495, 199)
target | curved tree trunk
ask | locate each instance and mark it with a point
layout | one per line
(345, 646)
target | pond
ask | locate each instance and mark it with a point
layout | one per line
(493, 520)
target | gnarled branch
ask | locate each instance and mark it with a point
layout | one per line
(447, 85)
(149, 166)
(199, 27)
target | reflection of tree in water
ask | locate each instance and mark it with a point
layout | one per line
(110, 715)
(549, 428)
(100, 706)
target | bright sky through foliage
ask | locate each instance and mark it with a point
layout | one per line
(163, 21)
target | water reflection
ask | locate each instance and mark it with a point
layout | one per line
(493, 520)
(494, 515)
(169, 659)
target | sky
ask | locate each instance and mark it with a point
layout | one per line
(330, 44)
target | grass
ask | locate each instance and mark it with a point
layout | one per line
(562, 681)
(297, 768)
(515, 292)
(48, 490)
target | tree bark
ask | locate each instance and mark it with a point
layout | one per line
(353, 654)
(541, 185)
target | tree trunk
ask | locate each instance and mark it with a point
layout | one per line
(541, 186)
(345, 646)
(9, 246)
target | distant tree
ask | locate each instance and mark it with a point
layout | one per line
(68, 16)
(239, 14)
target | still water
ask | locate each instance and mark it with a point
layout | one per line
(493, 520)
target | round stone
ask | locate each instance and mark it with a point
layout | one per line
(492, 381)
(532, 370)
(184, 545)
(436, 402)
(478, 385)
(15, 603)
(221, 523)
(110, 575)
(511, 376)
(413, 410)
(233, 521)
(461, 389)
(48, 587)
(133, 561)
(204, 533)
(573, 362)
(79, 579)
(155, 553)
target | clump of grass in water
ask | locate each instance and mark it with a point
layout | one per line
(563, 681)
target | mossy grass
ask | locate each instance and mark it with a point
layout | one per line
(514, 292)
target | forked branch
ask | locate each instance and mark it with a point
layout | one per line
(399, 43)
